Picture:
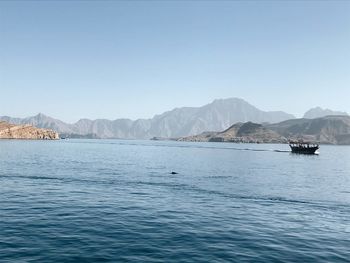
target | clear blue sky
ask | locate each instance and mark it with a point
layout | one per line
(134, 59)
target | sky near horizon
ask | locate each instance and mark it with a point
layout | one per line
(135, 59)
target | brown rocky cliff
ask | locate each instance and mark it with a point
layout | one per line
(11, 131)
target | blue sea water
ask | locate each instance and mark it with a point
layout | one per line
(117, 201)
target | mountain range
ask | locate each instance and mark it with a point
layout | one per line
(216, 116)
(179, 122)
(325, 130)
(319, 112)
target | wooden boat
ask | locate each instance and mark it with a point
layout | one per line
(303, 147)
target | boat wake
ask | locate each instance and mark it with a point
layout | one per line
(190, 146)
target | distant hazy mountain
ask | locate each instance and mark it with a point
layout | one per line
(41, 121)
(318, 112)
(216, 116)
(327, 130)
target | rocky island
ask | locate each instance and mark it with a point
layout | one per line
(11, 131)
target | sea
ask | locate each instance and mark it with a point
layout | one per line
(166, 201)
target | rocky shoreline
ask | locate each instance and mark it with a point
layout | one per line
(26, 132)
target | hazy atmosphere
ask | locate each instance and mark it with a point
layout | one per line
(119, 59)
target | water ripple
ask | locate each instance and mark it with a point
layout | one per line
(116, 201)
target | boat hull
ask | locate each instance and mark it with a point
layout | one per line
(306, 150)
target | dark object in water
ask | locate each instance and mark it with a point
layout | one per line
(174, 173)
(303, 147)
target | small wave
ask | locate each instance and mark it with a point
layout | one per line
(30, 177)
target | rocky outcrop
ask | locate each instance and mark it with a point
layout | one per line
(11, 131)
